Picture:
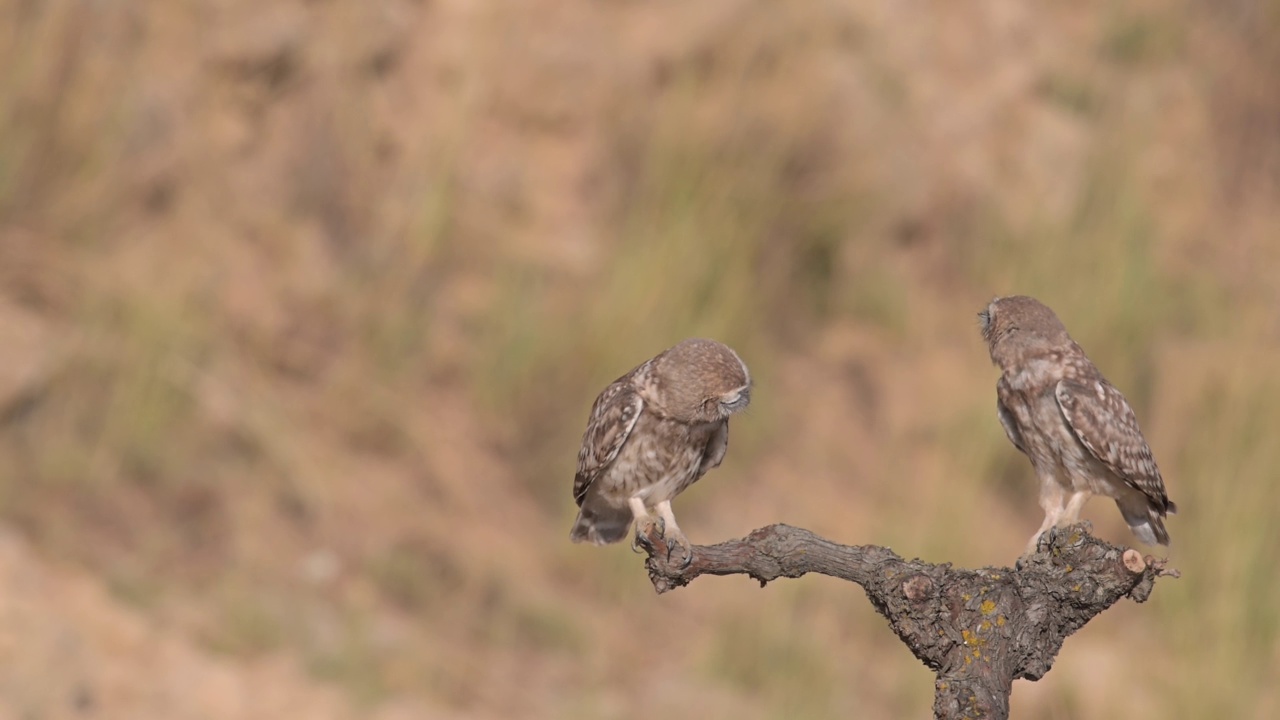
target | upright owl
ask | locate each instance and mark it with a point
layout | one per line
(652, 433)
(1077, 429)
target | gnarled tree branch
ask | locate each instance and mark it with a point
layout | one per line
(979, 630)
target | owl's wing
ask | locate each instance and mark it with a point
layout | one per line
(613, 416)
(1006, 419)
(716, 448)
(1105, 424)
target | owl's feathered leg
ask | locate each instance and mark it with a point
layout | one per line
(1050, 521)
(672, 534)
(1074, 504)
(668, 530)
(1052, 502)
(640, 520)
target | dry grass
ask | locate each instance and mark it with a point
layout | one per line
(316, 300)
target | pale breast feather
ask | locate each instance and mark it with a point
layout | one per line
(1105, 424)
(613, 416)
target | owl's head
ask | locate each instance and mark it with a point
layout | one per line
(1018, 327)
(701, 381)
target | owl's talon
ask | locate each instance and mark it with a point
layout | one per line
(679, 549)
(641, 543)
(688, 559)
(1033, 547)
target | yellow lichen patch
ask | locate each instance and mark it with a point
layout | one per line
(1070, 568)
(1076, 588)
(999, 621)
(985, 626)
(966, 597)
(987, 607)
(971, 638)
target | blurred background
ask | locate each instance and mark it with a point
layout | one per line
(303, 305)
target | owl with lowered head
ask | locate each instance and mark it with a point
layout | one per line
(1076, 428)
(652, 433)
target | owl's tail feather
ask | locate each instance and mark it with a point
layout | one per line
(601, 524)
(1146, 521)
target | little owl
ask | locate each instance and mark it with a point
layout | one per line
(1077, 429)
(652, 433)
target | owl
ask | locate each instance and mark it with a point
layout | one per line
(652, 433)
(1077, 429)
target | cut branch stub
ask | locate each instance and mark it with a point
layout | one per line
(978, 629)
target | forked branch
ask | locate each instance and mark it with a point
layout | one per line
(979, 630)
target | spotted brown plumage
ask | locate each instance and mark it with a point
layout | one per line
(652, 433)
(1079, 432)
(1105, 424)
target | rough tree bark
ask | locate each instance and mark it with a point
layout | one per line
(979, 630)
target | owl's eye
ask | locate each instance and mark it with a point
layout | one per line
(736, 399)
